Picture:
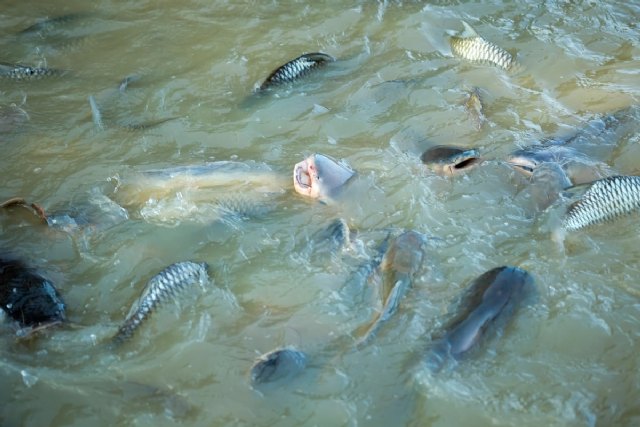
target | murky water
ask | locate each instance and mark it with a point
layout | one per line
(569, 357)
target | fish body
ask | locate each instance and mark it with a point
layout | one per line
(578, 167)
(493, 294)
(605, 200)
(21, 72)
(164, 287)
(398, 266)
(474, 107)
(295, 69)
(47, 25)
(277, 365)
(321, 177)
(547, 183)
(27, 297)
(448, 160)
(474, 48)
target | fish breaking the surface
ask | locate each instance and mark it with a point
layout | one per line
(162, 288)
(471, 46)
(295, 69)
(605, 200)
(277, 365)
(474, 107)
(321, 177)
(449, 160)
(491, 295)
(27, 297)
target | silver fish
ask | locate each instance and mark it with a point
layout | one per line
(448, 160)
(399, 264)
(494, 293)
(162, 288)
(25, 72)
(277, 365)
(471, 46)
(605, 200)
(295, 69)
(321, 177)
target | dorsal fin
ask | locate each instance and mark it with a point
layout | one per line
(468, 30)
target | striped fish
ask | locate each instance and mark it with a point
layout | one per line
(162, 288)
(295, 69)
(25, 72)
(605, 200)
(471, 46)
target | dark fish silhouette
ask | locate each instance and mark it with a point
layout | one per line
(449, 160)
(27, 297)
(277, 365)
(46, 25)
(162, 288)
(295, 69)
(493, 294)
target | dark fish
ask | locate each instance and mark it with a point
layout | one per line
(337, 235)
(493, 294)
(139, 126)
(47, 25)
(449, 160)
(162, 288)
(605, 200)
(295, 69)
(321, 177)
(25, 72)
(398, 267)
(547, 183)
(472, 47)
(277, 365)
(19, 201)
(28, 298)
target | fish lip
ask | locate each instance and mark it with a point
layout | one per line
(522, 168)
(299, 169)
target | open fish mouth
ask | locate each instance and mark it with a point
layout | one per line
(465, 162)
(302, 178)
(526, 169)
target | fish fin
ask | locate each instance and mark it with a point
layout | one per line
(468, 31)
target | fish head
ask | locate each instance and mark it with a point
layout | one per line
(320, 177)
(527, 160)
(449, 161)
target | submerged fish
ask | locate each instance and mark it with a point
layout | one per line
(449, 160)
(321, 177)
(493, 294)
(547, 183)
(295, 69)
(162, 288)
(605, 200)
(398, 266)
(46, 25)
(472, 47)
(25, 72)
(27, 297)
(208, 191)
(578, 167)
(277, 365)
(474, 107)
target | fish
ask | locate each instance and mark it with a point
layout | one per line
(295, 69)
(335, 236)
(474, 107)
(33, 207)
(277, 365)
(43, 26)
(321, 177)
(605, 200)
(21, 72)
(495, 293)
(547, 184)
(398, 266)
(163, 288)
(29, 298)
(448, 160)
(210, 191)
(471, 46)
(579, 168)
(95, 113)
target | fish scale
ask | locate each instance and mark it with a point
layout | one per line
(25, 72)
(605, 200)
(163, 287)
(296, 69)
(472, 47)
